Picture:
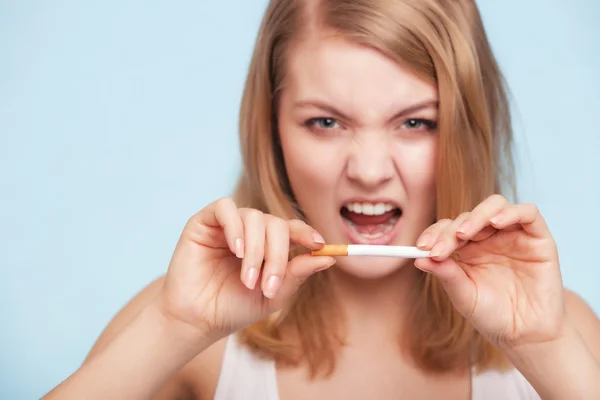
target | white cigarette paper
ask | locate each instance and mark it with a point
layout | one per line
(371, 251)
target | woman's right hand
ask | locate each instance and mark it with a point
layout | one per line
(230, 267)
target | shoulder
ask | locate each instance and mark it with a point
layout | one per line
(198, 379)
(585, 320)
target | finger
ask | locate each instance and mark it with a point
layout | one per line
(298, 270)
(447, 241)
(223, 213)
(276, 255)
(431, 234)
(480, 216)
(527, 215)
(254, 233)
(460, 288)
(304, 235)
(483, 234)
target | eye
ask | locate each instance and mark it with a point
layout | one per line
(419, 123)
(322, 123)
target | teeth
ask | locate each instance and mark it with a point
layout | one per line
(369, 208)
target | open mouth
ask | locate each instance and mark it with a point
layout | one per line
(370, 221)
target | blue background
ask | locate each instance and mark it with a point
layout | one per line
(118, 120)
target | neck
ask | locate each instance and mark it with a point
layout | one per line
(375, 309)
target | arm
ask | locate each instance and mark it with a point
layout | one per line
(568, 368)
(203, 299)
(585, 321)
(137, 356)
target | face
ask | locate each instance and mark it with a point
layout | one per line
(358, 134)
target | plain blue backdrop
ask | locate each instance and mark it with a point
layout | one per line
(118, 120)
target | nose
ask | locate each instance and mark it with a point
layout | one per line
(370, 163)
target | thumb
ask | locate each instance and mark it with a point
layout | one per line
(298, 270)
(460, 288)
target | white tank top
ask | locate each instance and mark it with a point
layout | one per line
(246, 376)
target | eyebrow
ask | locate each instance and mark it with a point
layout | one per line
(340, 115)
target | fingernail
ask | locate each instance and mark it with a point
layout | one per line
(318, 238)
(251, 277)
(464, 228)
(325, 267)
(437, 249)
(239, 248)
(423, 241)
(418, 265)
(271, 287)
(497, 219)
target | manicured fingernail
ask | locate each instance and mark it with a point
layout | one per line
(271, 287)
(464, 228)
(418, 264)
(251, 277)
(497, 219)
(318, 238)
(437, 249)
(423, 241)
(239, 248)
(325, 267)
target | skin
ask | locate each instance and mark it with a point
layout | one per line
(168, 342)
(347, 132)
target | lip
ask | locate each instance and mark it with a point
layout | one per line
(386, 239)
(387, 200)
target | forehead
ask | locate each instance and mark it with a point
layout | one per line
(353, 76)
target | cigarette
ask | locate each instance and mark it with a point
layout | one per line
(370, 250)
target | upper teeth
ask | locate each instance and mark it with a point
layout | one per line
(370, 208)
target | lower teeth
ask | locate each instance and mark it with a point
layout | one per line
(388, 226)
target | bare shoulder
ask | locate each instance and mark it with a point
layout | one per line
(197, 380)
(585, 320)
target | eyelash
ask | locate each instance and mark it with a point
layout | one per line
(429, 124)
(310, 123)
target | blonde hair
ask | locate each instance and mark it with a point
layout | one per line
(443, 42)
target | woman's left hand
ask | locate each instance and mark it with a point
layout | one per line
(499, 265)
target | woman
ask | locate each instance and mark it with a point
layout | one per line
(371, 122)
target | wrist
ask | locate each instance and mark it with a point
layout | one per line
(196, 338)
(525, 350)
(560, 368)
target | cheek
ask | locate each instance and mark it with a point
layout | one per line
(416, 164)
(309, 162)
(313, 174)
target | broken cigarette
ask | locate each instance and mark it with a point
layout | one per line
(370, 250)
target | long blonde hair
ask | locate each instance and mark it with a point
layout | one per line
(443, 42)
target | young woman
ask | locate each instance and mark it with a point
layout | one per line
(374, 122)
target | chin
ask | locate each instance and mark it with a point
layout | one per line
(371, 267)
(374, 222)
